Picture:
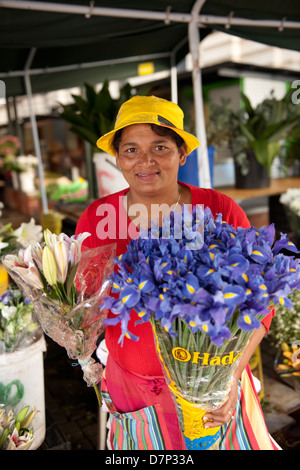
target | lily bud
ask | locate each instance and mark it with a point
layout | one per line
(49, 266)
(61, 258)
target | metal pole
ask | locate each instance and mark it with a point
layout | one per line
(194, 41)
(174, 83)
(35, 131)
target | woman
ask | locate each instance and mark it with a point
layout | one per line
(149, 144)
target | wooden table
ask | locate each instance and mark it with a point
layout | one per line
(277, 186)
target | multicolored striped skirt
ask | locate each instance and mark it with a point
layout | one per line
(143, 414)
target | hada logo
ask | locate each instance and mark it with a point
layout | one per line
(205, 359)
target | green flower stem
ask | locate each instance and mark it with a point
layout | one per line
(194, 382)
(98, 395)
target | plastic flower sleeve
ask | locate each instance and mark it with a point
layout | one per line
(199, 375)
(76, 327)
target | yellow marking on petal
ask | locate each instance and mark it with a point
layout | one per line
(116, 285)
(263, 287)
(256, 252)
(161, 297)
(245, 277)
(141, 285)
(232, 235)
(247, 319)
(229, 295)
(125, 299)
(213, 246)
(190, 289)
(211, 270)
(170, 271)
(141, 314)
(205, 328)
(281, 300)
(212, 256)
(248, 291)
(192, 323)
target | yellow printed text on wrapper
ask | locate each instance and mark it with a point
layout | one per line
(196, 436)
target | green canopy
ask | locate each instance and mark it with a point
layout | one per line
(60, 44)
(75, 41)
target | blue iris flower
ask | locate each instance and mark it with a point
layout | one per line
(199, 268)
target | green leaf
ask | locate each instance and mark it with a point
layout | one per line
(70, 279)
(3, 437)
(247, 104)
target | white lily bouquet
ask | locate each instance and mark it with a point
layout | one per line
(16, 432)
(204, 287)
(66, 284)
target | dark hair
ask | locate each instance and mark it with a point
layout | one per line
(159, 130)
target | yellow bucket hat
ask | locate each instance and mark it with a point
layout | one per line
(148, 110)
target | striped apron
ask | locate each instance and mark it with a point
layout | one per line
(143, 414)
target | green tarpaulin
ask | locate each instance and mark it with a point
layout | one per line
(70, 38)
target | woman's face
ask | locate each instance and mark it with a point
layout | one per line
(149, 162)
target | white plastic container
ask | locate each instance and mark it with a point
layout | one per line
(27, 184)
(109, 176)
(22, 379)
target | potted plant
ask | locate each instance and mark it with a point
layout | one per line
(219, 130)
(291, 202)
(258, 134)
(284, 336)
(9, 148)
(91, 117)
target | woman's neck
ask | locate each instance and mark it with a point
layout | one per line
(152, 208)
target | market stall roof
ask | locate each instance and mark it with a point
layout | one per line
(73, 41)
(46, 46)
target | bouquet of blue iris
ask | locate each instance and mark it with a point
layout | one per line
(204, 286)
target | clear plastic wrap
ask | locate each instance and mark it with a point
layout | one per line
(199, 375)
(75, 327)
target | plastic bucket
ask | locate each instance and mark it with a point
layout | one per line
(109, 177)
(22, 384)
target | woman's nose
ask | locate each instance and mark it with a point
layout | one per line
(146, 158)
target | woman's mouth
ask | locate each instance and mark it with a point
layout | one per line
(147, 176)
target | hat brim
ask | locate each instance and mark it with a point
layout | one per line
(105, 142)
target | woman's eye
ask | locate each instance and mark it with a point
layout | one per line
(160, 148)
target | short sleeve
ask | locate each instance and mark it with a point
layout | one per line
(267, 320)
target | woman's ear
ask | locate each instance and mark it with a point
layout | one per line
(117, 160)
(182, 155)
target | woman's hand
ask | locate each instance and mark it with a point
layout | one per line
(224, 414)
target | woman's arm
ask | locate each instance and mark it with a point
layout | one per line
(223, 414)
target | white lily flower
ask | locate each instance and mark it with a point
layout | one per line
(75, 247)
(3, 245)
(28, 233)
(16, 442)
(29, 275)
(8, 312)
(37, 255)
(11, 261)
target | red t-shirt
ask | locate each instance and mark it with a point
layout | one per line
(107, 222)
